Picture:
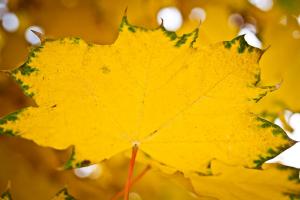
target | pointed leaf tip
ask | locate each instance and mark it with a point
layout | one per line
(262, 52)
(161, 22)
(38, 34)
(125, 11)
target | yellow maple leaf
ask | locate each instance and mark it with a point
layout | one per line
(183, 106)
(233, 182)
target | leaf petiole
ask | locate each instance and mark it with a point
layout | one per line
(130, 171)
(136, 179)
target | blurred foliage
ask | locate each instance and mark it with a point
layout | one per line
(61, 195)
(32, 170)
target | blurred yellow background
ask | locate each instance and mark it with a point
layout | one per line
(33, 170)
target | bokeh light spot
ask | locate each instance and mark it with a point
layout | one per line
(236, 20)
(249, 30)
(296, 34)
(264, 5)
(172, 18)
(10, 22)
(31, 37)
(197, 14)
(92, 171)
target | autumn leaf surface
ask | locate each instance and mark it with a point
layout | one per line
(233, 182)
(184, 106)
